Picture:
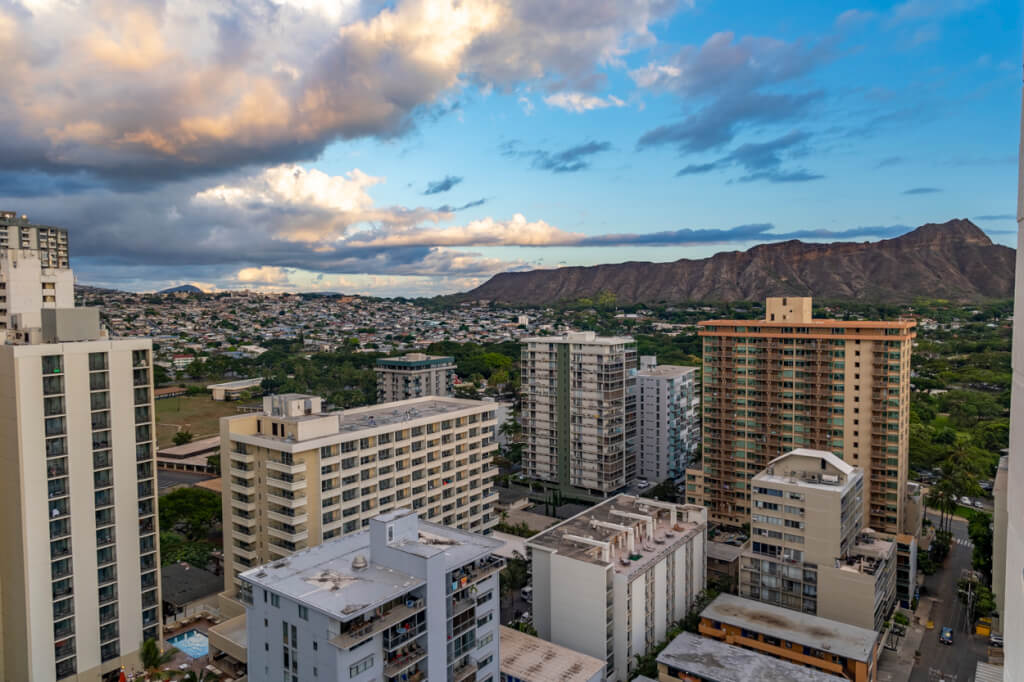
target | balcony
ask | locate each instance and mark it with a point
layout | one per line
(464, 671)
(285, 502)
(377, 623)
(297, 536)
(244, 457)
(290, 519)
(286, 468)
(404, 660)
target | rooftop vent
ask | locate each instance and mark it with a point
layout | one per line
(359, 562)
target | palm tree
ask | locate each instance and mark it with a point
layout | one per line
(154, 660)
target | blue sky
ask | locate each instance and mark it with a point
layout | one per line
(420, 146)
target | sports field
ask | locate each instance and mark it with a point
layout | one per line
(198, 414)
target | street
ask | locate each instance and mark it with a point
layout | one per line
(956, 662)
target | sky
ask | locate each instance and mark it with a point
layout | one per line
(418, 147)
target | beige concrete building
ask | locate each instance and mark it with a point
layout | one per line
(808, 551)
(414, 375)
(1000, 520)
(296, 476)
(611, 581)
(34, 271)
(792, 380)
(525, 658)
(78, 506)
(579, 411)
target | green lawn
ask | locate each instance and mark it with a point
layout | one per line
(198, 414)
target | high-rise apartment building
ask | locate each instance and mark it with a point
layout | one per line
(809, 551)
(34, 271)
(299, 476)
(791, 381)
(1013, 581)
(668, 421)
(579, 411)
(401, 601)
(78, 503)
(611, 581)
(414, 375)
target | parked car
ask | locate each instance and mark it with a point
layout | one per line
(527, 594)
(996, 641)
(966, 501)
(946, 636)
(978, 504)
(642, 482)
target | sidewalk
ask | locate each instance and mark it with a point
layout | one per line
(896, 666)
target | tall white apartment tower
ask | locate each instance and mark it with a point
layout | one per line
(34, 270)
(579, 411)
(1013, 629)
(668, 421)
(78, 574)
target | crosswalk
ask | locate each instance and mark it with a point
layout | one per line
(964, 542)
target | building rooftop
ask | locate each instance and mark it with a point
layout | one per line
(778, 472)
(196, 447)
(532, 659)
(800, 628)
(181, 584)
(580, 337)
(624, 531)
(330, 579)
(723, 552)
(673, 371)
(711, 659)
(416, 358)
(401, 411)
(237, 385)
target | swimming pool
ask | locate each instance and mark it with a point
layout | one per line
(193, 643)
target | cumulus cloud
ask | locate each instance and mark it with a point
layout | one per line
(265, 274)
(724, 83)
(579, 102)
(135, 91)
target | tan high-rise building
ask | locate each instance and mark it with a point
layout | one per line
(296, 476)
(808, 550)
(414, 375)
(579, 411)
(78, 510)
(34, 271)
(792, 380)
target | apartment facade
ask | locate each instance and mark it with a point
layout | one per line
(401, 601)
(300, 476)
(34, 271)
(611, 581)
(414, 375)
(846, 651)
(78, 504)
(579, 411)
(668, 421)
(792, 380)
(808, 550)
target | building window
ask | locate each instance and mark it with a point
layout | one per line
(360, 667)
(303, 612)
(275, 600)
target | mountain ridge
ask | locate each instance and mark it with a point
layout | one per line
(954, 260)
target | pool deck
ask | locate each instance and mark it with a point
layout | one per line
(181, 658)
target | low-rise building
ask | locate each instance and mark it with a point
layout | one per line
(403, 600)
(724, 566)
(525, 658)
(233, 390)
(414, 375)
(694, 658)
(611, 581)
(808, 551)
(833, 647)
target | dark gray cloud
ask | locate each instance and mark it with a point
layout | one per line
(996, 216)
(762, 160)
(756, 232)
(442, 185)
(447, 208)
(569, 160)
(922, 190)
(724, 82)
